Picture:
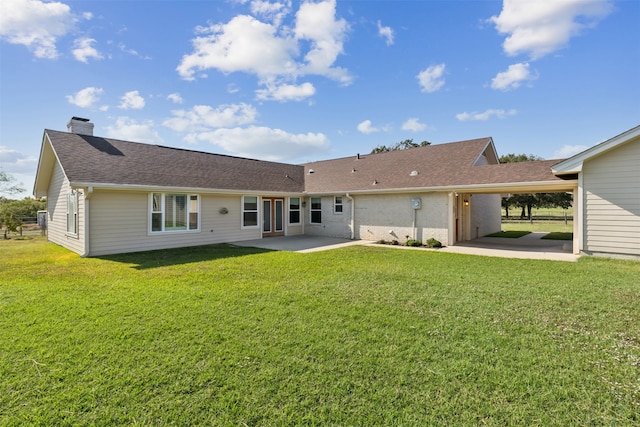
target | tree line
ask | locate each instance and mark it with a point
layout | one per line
(12, 211)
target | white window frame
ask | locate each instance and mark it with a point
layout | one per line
(256, 211)
(72, 213)
(295, 210)
(312, 210)
(160, 211)
(338, 206)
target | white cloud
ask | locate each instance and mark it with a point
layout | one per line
(568, 151)
(266, 143)
(286, 92)
(413, 124)
(274, 12)
(386, 33)
(272, 51)
(317, 23)
(86, 98)
(35, 24)
(485, 115)
(243, 44)
(513, 77)
(366, 127)
(175, 97)
(132, 100)
(130, 130)
(431, 79)
(538, 28)
(83, 50)
(14, 162)
(203, 117)
(132, 52)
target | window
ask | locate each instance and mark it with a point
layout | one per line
(250, 211)
(316, 210)
(337, 205)
(72, 212)
(294, 210)
(174, 212)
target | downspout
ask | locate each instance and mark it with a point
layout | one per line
(353, 215)
(87, 195)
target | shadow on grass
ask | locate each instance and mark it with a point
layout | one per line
(168, 257)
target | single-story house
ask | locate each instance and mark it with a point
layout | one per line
(607, 207)
(107, 196)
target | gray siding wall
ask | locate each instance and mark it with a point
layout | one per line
(120, 223)
(57, 213)
(611, 188)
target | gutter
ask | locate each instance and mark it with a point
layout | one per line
(353, 216)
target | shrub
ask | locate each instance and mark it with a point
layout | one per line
(414, 242)
(433, 243)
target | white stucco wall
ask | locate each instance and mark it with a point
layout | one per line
(611, 194)
(485, 214)
(333, 224)
(391, 217)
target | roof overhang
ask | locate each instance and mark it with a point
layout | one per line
(514, 187)
(573, 165)
(95, 186)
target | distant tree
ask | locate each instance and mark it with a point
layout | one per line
(13, 211)
(527, 201)
(402, 145)
(7, 184)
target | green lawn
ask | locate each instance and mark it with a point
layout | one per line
(223, 336)
(548, 226)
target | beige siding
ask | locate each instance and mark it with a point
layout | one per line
(611, 185)
(57, 213)
(120, 223)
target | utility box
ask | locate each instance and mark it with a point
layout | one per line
(42, 219)
(416, 203)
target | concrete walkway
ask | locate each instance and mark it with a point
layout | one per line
(302, 244)
(530, 246)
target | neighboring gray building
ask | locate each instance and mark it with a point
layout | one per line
(108, 196)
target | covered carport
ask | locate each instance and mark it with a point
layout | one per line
(502, 179)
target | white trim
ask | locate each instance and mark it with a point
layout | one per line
(299, 210)
(258, 215)
(162, 211)
(525, 187)
(574, 164)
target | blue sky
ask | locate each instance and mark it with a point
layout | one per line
(299, 81)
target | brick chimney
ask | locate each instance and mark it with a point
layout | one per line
(80, 126)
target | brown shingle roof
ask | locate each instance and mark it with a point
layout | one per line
(442, 165)
(96, 160)
(91, 159)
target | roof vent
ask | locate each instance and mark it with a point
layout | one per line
(413, 173)
(80, 125)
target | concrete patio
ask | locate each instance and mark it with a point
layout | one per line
(530, 246)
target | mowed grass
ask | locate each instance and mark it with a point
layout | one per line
(548, 226)
(357, 336)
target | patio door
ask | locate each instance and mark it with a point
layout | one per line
(272, 217)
